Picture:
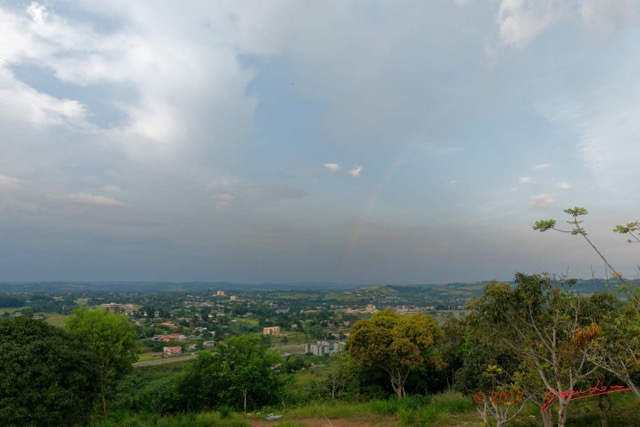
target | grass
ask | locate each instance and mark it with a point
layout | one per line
(204, 419)
(247, 321)
(11, 309)
(440, 410)
(55, 319)
(145, 357)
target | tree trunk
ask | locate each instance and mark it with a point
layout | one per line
(605, 407)
(562, 412)
(244, 396)
(632, 386)
(398, 388)
(104, 399)
(547, 419)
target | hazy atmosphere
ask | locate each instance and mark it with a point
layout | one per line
(288, 141)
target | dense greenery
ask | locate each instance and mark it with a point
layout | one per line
(396, 344)
(48, 377)
(112, 338)
(243, 374)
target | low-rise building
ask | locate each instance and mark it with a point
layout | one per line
(113, 307)
(273, 330)
(172, 351)
(321, 348)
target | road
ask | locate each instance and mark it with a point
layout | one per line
(165, 360)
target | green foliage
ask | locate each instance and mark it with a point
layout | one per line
(191, 419)
(544, 225)
(577, 229)
(47, 376)
(110, 336)
(7, 300)
(243, 374)
(396, 343)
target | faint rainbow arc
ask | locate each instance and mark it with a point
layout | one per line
(372, 200)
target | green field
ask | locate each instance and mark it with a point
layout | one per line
(54, 319)
(11, 309)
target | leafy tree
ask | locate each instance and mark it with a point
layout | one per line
(244, 373)
(47, 376)
(396, 343)
(454, 349)
(110, 336)
(616, 346)
(342, 376)
(538, 323)
(617, 341)
(578, 229)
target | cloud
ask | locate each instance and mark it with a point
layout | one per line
(229, 191)
(563, 185)
(333, 167)
(154, 71)
(8, 182)
(542, 166)
(111, 188)
(526, 180)
(520, 21)
(92, 199)
(37, 12)
(454, 181)
(356, 171)
(541, 201)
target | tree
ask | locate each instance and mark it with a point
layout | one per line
(47, 376)
(578, 229)
(539, 324)
(396, 344)
(244, 373)
(617, 347)
(112, 338)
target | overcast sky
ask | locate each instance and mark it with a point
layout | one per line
(296, 141)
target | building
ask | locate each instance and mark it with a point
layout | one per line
(113, 307)
(219, 293)
(370, 308)
(233, 298)
(169, 325)
(321, 348)
(273, 330)
(173, 337)
(172, 351)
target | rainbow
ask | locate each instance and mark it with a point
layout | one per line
(370, 203)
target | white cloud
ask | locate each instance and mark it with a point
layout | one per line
(92, 199)
(526, 180)
(521, 20)
(333, 167)
(542, 166)
(454, 181)
(37, 12)
(541, 201)
(356, 171)
(172, 75)
(563, 185)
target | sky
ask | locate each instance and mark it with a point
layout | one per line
(367, 142)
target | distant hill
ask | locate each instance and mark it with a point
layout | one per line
(457, 288)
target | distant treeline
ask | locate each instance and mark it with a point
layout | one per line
(10, 301)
